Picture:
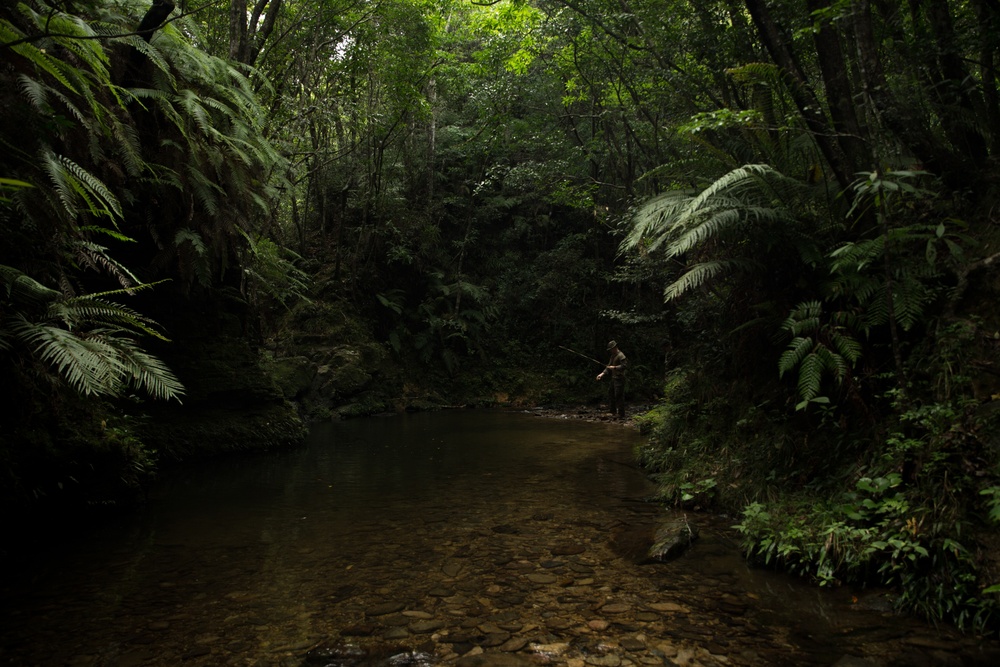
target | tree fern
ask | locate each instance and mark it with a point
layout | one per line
(752, 200)
(699, 274)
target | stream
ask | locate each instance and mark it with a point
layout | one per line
(457, 537)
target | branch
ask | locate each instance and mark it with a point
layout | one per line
(138, 32)
(154, 18)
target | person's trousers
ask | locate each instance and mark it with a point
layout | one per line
(618, 397)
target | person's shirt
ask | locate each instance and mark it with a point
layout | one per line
(620, 363)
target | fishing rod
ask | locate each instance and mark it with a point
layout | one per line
(600, 363)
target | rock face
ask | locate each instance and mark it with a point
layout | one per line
(232, 402)
(671, 539)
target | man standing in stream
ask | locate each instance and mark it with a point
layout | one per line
(617, 366)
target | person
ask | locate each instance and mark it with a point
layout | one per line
(616, 366)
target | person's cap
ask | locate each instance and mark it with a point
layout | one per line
(612, 345)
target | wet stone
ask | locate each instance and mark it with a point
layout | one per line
(396, 620)
(395, 633)
(494, 639)
(493, 660)
(439, 592)
(384, 609)
(514, 644)
(196, 652)
(451, 569)
(361, 630)
(633, 644)
(558, 623)
(615, 608)
(567, 549)
(423, 627)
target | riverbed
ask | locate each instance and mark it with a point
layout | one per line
(457, 537)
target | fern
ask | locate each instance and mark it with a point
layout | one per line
(818, 349)
(73, 182)
(702, 273)
(86, 340)
(750, 196)
(95, 256)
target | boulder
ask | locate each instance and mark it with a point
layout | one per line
(672, 538)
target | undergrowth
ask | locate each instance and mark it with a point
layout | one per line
(912, 505)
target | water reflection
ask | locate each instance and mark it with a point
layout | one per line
(451, 520)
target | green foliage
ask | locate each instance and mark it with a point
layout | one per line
(271, 270)
(88, 341)
(817, 349)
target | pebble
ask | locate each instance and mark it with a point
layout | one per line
(384, 609)
(530, 589)
(616, 608)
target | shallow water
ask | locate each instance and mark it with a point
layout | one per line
(477, 537)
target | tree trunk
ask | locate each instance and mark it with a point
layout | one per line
(779, 48)
(833, 66)
(952, 87)
(247, 38)
(988, 17)
(905, 123)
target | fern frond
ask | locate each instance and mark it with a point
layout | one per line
(155, 56)
(85, 364)
(804, 318)
(847, 346)
(81, 311)
(20, 287)
(53, 67)
(701, 273)
(702, 226)
(756, 72)
(205, 189)
(148, 373)
(793, 356)
(36, 92)
(832, 363)
(96, 257)
(191, 102)
(71, 181)
(909, 300)
(810, 376)
(94, 184)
